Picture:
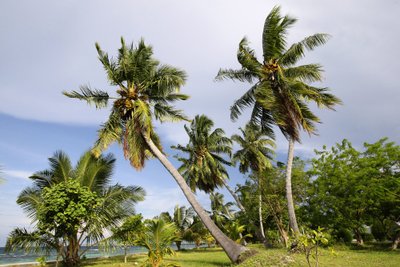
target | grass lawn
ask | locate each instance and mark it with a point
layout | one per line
(342, 256)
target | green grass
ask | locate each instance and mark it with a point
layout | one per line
(342, 256)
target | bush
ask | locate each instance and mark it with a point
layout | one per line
(378, 231)
(344, 235)
(367, 237)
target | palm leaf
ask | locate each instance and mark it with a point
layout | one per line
(91, 96)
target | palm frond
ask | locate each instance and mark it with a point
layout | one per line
(165, 113)
(248, 59)
(111, 131)
(305, 73)
(274, 34)
(242, 75)
(297, 50)
(243, 102)
(91, 96)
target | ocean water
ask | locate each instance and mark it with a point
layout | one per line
(23, 257)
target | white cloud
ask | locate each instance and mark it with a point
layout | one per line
(20, 174)
(165, 199)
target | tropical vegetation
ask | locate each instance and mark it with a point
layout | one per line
(344, 197)
(71, 206)
(145, 90)
(281, 89)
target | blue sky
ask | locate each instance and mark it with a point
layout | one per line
(48, 46)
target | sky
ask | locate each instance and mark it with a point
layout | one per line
(48, 46)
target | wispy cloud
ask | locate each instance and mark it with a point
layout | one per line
(20, 174)
(165, 199)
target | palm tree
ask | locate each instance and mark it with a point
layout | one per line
(145, 91)
(254, 155)
(281, 91)
(157, 238)
(183, 218)
(114, 203)
(204, 168)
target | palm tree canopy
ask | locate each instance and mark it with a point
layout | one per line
(255, 153)
(204, 167)
(116, 202)
(281, 91)
(145, 91)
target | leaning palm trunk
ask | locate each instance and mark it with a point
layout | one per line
(232, 249)
(239, 204)
(289, 196)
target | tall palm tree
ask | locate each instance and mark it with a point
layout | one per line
(145, 91)
(116, 202)
(255, 155)
(204, 168)
(281, 90)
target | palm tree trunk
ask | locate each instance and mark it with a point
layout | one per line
(289, 196)
(239, 204)
(232, 249)
(260, 216)
(396, 241)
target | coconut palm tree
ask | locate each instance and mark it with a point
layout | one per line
(204, 168)
(281, 90)
(145, 91)
(254, 154)
(113, 204)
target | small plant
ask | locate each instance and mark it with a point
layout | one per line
(42, 261)
(157, 238)
(310, 241)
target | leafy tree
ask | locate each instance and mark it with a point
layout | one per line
(127, 234)
(274, 198)
(355, 188)
(281, 91)
(255, 155)
(71, 206)
(157, 238)
(145, 91)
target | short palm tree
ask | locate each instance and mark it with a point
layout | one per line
(183, 218)
(204, 168)
(281, 90)
(254, 154)
(145, 91)
(157, 238)
(115, 203)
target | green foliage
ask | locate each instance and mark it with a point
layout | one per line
(145, 90)
(127, 234)
(309, 242)
(65, 207)
(42, 261)
(204, 166)
(354, 188)
(255, 151)
(71, 206)
(280, 92)
(157, 238)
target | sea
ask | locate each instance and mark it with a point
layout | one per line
(23, 257)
